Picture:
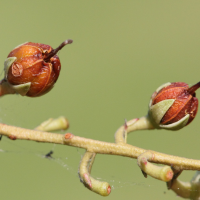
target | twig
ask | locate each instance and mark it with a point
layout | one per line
(94, 147)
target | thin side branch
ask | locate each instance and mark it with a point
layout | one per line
(102, 188)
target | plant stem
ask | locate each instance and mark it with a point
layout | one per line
(100, 147)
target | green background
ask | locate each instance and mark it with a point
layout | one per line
(122, 51)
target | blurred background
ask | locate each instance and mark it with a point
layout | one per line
(122, 51)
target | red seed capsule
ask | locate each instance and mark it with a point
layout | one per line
(185, 101)
(37, 64)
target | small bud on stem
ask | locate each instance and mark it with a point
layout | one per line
(173, 105)
(31, 69)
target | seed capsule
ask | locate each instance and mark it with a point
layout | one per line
(173, 105)
(33, 67)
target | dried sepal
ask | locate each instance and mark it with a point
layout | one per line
(176, 125)
(21, 89)
(157, 111)
(7, 64)
(156, 92)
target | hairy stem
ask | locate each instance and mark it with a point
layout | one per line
(101, 147)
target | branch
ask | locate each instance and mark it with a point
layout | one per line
(94, 147)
